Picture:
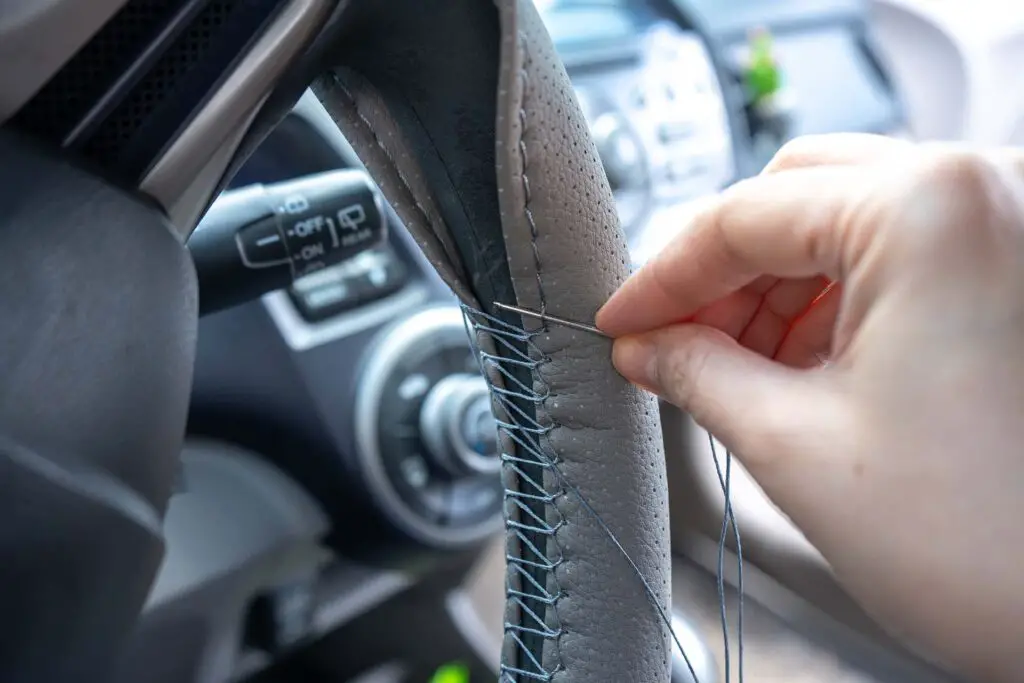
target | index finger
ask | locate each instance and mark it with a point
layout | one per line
(789, 224)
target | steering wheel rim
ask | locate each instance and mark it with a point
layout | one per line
(538, 228)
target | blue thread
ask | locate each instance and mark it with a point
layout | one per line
(526, 434)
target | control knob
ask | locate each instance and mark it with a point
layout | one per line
(458, 426)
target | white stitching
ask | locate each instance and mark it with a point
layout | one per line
(424, 215)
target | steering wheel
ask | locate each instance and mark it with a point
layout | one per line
(465, 117)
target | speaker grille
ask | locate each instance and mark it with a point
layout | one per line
(69, 95)
(138, 82)
(161, 81)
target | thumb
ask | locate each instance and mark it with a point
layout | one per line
(756, 407)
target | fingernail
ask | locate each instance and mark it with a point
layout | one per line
(609, 313)
(636, 359)
(601, 318)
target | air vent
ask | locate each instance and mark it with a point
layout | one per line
(71, 93)
(121, 100)
(162, 80)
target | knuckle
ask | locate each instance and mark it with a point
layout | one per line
(797, 152)
(961, 172)
(727, 253)
(658, 278)
(953, 193)
(674, 374)
(683, 370)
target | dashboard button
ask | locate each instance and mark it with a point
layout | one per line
(474, 499)
(329, 295)
(324, 300)
(341, 288)
(415, 472)
(674, 131)
(384, 277)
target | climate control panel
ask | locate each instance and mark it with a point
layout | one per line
(659, 121)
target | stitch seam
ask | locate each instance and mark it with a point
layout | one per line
(524, 83)
(525, 178)
(528, 434)
(424, 216)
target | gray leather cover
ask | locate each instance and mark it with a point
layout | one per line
(467, 120)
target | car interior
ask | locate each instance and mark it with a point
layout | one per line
(266, 414)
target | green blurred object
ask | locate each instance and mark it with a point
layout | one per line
(763, 76)
(454, 672)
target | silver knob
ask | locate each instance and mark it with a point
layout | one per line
(620, 151)
(458, 427)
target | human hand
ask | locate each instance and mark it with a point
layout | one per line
(902, 460)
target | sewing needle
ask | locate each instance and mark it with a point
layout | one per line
(547, 317)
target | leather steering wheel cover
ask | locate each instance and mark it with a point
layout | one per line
(467, 120)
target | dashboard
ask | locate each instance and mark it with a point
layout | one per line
(340, 447)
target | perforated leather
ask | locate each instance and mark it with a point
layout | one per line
(466, 118)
